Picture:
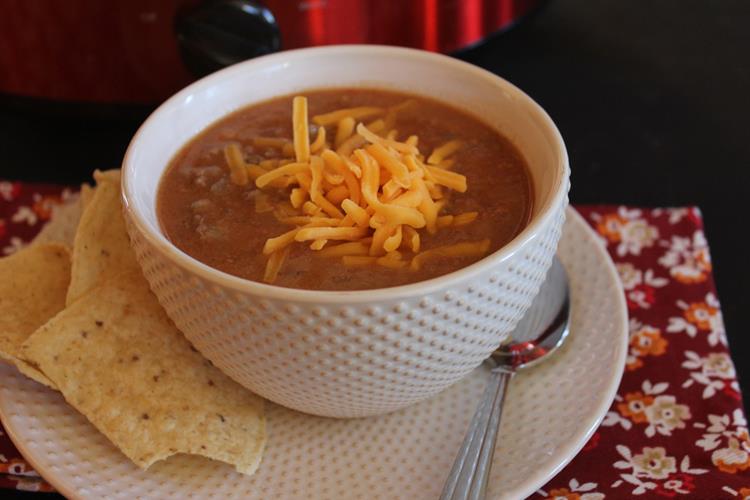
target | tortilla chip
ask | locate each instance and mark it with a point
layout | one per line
(112, 175)
(33, 283)
(32, 372)
(119, 360)
(87, 194)
(101, 248)
(63, 224)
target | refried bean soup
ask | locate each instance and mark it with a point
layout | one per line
(345, 189)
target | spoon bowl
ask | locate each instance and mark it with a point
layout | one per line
(543, 328)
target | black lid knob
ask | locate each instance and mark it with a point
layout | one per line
(219, 33)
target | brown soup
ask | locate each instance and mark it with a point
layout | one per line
(226, 225)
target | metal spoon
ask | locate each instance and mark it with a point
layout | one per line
(542, 330)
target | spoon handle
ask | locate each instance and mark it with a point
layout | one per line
(471, 468)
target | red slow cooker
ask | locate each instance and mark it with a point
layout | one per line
(141, 51)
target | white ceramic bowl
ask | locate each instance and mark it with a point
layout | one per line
(348, 354)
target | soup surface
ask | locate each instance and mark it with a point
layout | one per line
(205, 213)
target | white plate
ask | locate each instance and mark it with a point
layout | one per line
(550, 412)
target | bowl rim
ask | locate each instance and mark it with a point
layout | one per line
(419, 288)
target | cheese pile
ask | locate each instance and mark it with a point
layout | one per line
(363, 196)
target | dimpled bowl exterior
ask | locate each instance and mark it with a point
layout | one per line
(357, 359)
(350, 354)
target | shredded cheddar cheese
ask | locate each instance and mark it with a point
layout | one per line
(357, 194)
(300, 129)
(341, 114)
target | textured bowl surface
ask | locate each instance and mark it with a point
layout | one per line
(550, 412)
(348, 354)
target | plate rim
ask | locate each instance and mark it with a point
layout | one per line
(562, 456)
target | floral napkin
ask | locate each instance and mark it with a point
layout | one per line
(676, 427)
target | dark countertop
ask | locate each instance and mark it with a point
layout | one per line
(651, 98)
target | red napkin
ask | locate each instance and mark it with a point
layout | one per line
(676, 427)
